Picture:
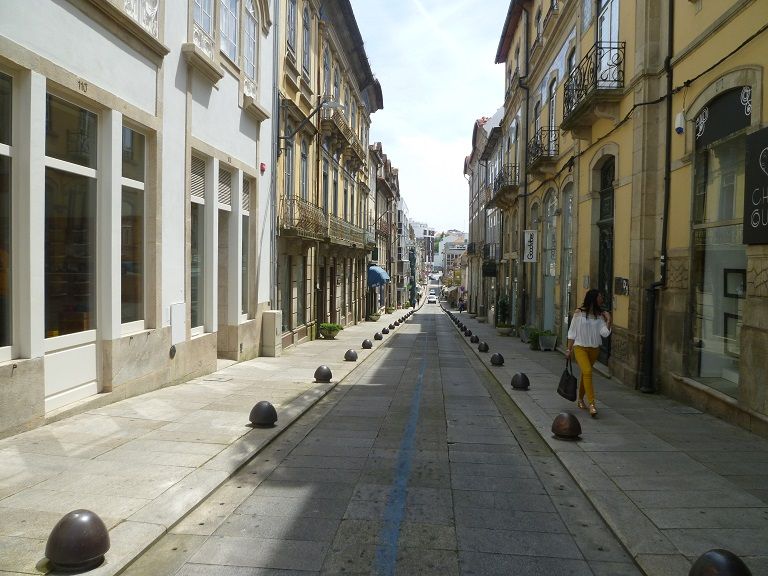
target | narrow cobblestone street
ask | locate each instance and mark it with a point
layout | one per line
(419, 463)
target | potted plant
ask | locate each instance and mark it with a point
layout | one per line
(547, 340)
(533, 337)
(328, 330)
(374, 316)
(389, 309)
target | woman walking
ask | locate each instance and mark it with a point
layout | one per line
(590, 323)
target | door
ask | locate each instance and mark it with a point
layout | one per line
(566, 267)
(549, 249)
(552, 134)
(605, 231)
(607, 38)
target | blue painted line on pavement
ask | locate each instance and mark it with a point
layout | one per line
(389, 536)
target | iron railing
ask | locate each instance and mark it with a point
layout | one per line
(342, 231)
(304, 217)
(543, 145)
(601, 69)
(508, 177)
(491, 251)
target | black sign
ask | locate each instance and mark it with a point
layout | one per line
(725, 114)
(756, 189)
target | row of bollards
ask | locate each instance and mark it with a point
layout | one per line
(80, 540)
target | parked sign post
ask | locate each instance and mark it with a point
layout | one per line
(530, 245)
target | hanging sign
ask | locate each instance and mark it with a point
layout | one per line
(756, 189)
(530, 245)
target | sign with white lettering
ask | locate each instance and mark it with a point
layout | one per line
(756, 189)
(530, 245)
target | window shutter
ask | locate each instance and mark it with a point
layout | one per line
(197, 180)
(225, 187)
(246, 195)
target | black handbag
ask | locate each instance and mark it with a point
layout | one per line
(568, 383)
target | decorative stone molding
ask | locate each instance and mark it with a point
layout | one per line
(757, 277)
(201, 62)
(678, 273)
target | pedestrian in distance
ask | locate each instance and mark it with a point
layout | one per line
(589, 325)
(461, 305)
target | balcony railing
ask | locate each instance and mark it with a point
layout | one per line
(341, 231)
(383, 227)
(303, 218)
(543, 146)
(508, 177)
(335, 123)
(602, 69)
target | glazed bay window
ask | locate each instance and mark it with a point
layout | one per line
(251, 47)
(197, 248)
(229, 24)
(5, 211)
(70, 218)
(132, 243)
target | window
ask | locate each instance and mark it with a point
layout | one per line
(70, 218)
(288, 163)
(326, 72)
(571, 64)
(132, 245)
(197, 241)
(304, 170)
(306, 42)
(251, 48)
(517, 60)
(5, 211)
(246, 203)
(301, 295)
(346, 198)
(335, 191)
(353, 117)
(336, 84)
(346, 102)
(291, 26)
(229, 26)
(203, 15)
(325, 185)
(286, 289)
(538, 25)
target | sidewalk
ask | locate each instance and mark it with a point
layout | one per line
(670, 481)
(144, 463)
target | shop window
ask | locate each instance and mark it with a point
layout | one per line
(70, 218)
(197, 249)
(132, 244)
(301, 296)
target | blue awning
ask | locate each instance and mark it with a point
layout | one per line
(377, 276)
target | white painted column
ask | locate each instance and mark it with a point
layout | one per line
(28, 166)
(108, 207)
(211, 248)
(235, 254)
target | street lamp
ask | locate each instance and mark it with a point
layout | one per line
(325, 104)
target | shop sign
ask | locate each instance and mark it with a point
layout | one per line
(756, 189)
(530, 245)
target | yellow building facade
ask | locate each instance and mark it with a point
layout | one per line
(326, 94)
(632, 163)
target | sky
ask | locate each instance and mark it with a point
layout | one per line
(435, 62)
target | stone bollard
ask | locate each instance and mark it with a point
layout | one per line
(483, 347)
(78, 542)
(475, 339)
(520, 381)
(350, 355)
(497, 359)
(367, 344)
(378, 336)
(323, 374)
(719, 562)
(385, 330)
(566, 426)
(263, 414)
(467, 332)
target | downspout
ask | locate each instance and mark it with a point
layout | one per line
(275, 149)
(648, 380)
(522, 311)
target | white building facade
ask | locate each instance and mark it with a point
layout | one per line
(135, 227)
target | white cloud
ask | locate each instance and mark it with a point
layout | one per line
(435, 62)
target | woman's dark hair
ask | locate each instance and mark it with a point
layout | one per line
(590, 305)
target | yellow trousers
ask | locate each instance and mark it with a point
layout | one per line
(585, 358)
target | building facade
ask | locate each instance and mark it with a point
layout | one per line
(134, 205)
(628, 133)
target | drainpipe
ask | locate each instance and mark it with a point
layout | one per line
(275, 149)
(648, 380)
(522, 311)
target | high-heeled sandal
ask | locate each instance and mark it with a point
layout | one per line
(580, 404)
(592, 410)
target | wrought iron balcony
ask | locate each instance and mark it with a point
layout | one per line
(543, 149)
(370, 238)
(505, 187)
(301, 218)
(383, 227)
(491, 251)
(471, 248)
(334, 124)
(342, 232)
(594, 88)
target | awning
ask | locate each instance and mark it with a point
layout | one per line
(377, 276)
